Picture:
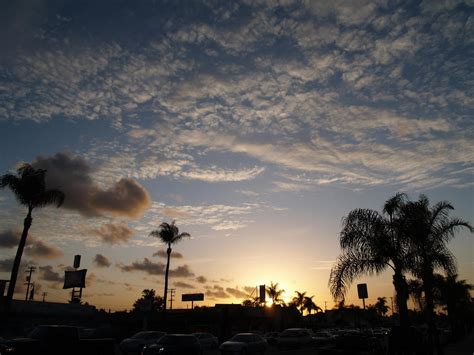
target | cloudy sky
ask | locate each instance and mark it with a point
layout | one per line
(256, 125)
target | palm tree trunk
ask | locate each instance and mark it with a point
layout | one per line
(165, 295)
(429, 310)
(401, 289)
(16, 264)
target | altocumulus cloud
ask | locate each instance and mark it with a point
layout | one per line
(111, 233)
(72, 175)
(34, 248)
(162, 254)
(157, 268)
(101, 261)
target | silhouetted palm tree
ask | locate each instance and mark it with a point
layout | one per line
(381, 306)
(169, 234)
(429, 230)
(298, 300)
(415, 290)
(30, 190)
(251, 302)
(275, 293)
(372, 242)
(309, 305)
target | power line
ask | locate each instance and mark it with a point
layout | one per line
(28, 282)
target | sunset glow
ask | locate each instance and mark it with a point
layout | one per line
(255, 125)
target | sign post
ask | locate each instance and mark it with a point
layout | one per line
(362, 292)
(76, 278)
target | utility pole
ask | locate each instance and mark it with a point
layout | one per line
(44, 295)
(29, 271)
(391, 300)
(325, 306)
(172, 292)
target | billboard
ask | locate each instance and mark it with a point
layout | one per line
(362, 291)
(189, 297)
(75, 279)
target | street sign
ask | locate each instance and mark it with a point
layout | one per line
(189, 297)
(362, 291)
(75, 279)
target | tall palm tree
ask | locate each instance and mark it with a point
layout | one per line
(169, 234)
(29, 188)
(371, 242)
(309, 305)
(275, 293)
(429, 229)
(298, 300)
(415, 290)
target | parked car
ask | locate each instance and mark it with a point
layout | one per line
(323, 337)
(244, 343)
(57, 339)
(135, 344)
(174, 344)
(207, 340)
(295, 338)
(271, 337)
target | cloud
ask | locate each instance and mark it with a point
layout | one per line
(157, 268)
(236, 292)
(73, 176)
(48, 274)
(220, 175)
(111, 233)
(216, 292)
(162, 254)
(181, 284)
(101, 261)
(6, 265)
(201, 279)
(34, 248)
(9, 239)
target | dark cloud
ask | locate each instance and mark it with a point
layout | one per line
(101, 261)
(113, 233)
(201, 279)
(157, 268)
(9, 239)
(181, 284)
(181, 271)
(162, 254)
(48, 274)
(236, 292)
(72, 175)
(34, 247)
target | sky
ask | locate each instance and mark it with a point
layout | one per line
(256, 125)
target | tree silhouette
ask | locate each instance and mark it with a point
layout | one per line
(371, 242)
(429, 230)
(309, 305)
(381, 306)
(169, 234)
(29, 188)
(251, 302)
(275, 293)
(149, 301)
(298, 301)
(415, 290)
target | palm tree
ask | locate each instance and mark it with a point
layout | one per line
(429, 229)
(371, 242)
(309, 305)
(169, 234)
(275, 293)
(415, 290)
(381, 306)
(251, 302)
(29, 188)
(298, 300)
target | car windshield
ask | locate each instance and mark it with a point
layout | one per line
(178, 339)
(245, 338)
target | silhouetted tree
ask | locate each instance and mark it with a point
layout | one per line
(251, 302)
(169, 234)
(415, 290)
(429, 230)
(381, 306)
(275, 293)
(29, 188)
(309, 305)
(149, 301)
(372, 242)
(298, 301)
